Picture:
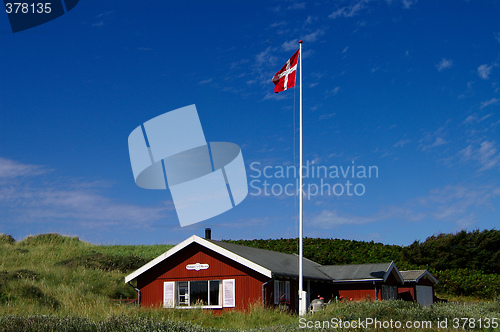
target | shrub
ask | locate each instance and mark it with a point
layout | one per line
(467, 282)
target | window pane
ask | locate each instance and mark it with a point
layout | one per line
(214, 292)
(199, 293)
(282, 292)
(182, 291)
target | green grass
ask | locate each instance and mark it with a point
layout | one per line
(51, 273)
(55, 283)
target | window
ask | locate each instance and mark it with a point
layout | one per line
(183, 293)
(389, 292)
(204, 293)
(281, 292)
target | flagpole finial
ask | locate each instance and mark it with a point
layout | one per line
(300, 41)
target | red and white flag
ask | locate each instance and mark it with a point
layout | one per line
(285, 78)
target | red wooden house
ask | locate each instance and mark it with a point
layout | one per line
(220, 275)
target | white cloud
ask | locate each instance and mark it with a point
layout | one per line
(356, 6)
(432, 140)
(278, 24)
(310, 19)
(401, 143)
(291, 45)
(265, 65)
(238, 64)
(297, 5)
(486, 103)
(484, 71)
(332, 218)
(471, 118)
(40, 198)
(485, 153)
(458, 202)
(408, 3)
(444, 64)
(265, 57)
(453, 203)
(108, 13)
(349, 11)
(327, 116)
(332, 92)
(313, 36)
(12, 169)
(208, 80)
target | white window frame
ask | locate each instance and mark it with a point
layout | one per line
(227, 297)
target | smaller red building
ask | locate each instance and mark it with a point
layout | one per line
(378, 281)
(418, 287)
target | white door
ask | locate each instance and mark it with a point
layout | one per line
(424, 295)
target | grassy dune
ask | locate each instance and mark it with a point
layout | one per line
(50, 273)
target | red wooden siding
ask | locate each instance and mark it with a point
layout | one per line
(359, 291)
(408, 291)
(248, 283)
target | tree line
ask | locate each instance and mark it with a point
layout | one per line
(465, 263)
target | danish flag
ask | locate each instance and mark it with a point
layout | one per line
(285, 78)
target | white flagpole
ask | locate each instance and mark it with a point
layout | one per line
(302, 295)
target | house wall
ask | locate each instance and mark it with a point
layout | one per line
(408, 291)
(248, 283)
(360, 291)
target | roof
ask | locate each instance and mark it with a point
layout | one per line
(267, 262)
(280, 264)
(416, 275)
(361, 272)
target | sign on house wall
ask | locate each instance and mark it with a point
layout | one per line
(197, 266)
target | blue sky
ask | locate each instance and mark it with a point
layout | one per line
(410, 88)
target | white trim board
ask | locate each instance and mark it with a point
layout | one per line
(206, 244)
